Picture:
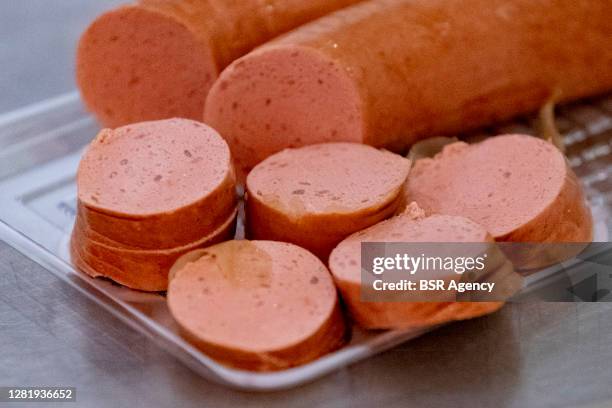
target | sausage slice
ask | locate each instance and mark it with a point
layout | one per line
(520, 188)
(257, 305)
(317, 195)
(345, 265)
(156, 185)
(145, 270)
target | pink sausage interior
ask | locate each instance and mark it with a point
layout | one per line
(253, 295)
(136, 64)
(501, 183)
(283, 97)
(345, 260)
(328, 178)
(152, 167)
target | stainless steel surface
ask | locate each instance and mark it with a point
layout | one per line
(526, 355)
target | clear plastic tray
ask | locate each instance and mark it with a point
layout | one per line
(40, 147)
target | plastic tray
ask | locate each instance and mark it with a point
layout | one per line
(40, 147)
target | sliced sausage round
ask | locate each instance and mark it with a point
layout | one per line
(345, 265)
(317, 195)
(520, 188)
(257, 305)
(156, 185)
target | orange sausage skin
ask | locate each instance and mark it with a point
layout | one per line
(390, 72)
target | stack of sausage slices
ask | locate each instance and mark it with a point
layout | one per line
(147, 194)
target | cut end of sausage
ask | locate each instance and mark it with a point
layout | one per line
(345, 260)
(329, 178)
(257, 304)
(283, 96)
(345, 265)
(152, 167)
(315, 196)
(503, 183)
(136, 64)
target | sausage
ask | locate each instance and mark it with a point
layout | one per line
(145, 270)
(345, 265)
(183, 260)
(157, 59)
(390, 72)
(520, 188)
(257, 305)
(317, 195)
(156, 185)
